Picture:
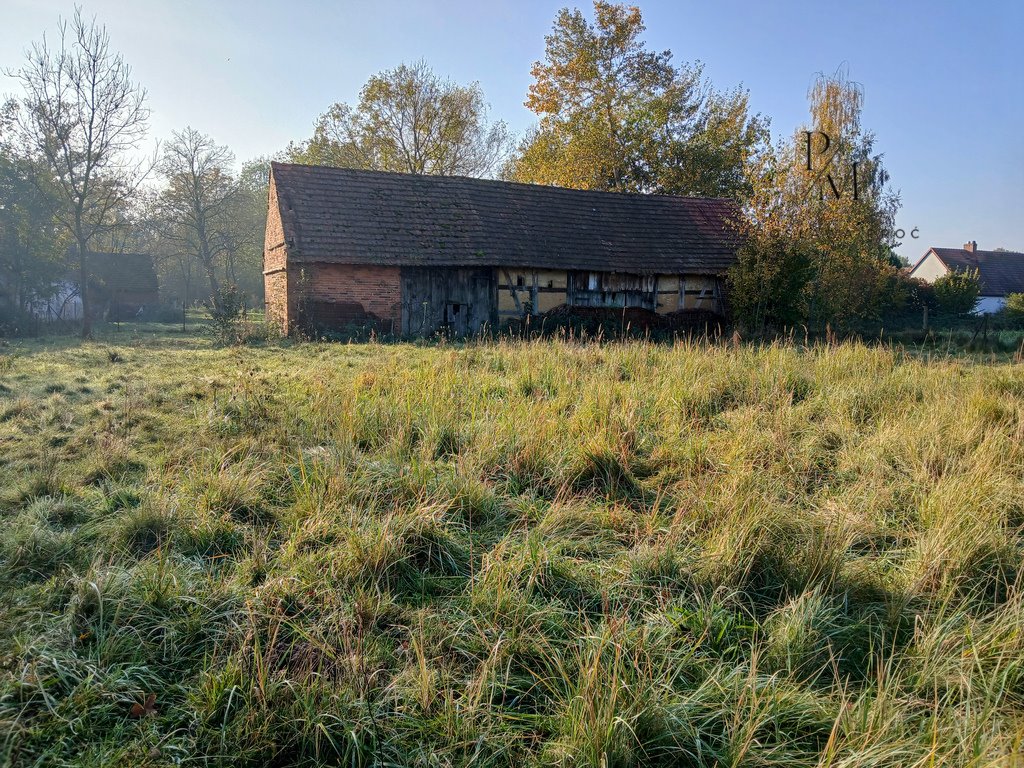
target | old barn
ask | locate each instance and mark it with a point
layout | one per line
(121, 285)
(415, 254)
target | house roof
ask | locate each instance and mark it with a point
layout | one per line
(1000, 272)
(350, 216)
(122, 272)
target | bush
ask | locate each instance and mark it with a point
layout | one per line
(226, 314)
(956, 293)
(1014, 308)
(233, 325)
(15, 321)
(767, 284)
(905, 300)
(162, 313)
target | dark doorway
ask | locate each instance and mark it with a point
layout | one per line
(453, 299)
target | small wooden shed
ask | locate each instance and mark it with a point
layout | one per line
(120, 286)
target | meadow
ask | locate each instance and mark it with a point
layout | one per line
(509, 553)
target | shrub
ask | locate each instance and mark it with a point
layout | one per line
(906, 299)
(15, 321)
(162, 313)
(1014, 308)
(767, 284)
(957, 292)
(226, 314)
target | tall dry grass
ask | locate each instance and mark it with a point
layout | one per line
(510, 553)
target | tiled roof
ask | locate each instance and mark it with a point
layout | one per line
(368, 217)
(1000, 272)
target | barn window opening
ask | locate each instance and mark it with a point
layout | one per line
(612, 289)
(551, 283)
(452, 311)
(520, 281)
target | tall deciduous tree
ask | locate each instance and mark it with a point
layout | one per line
(199, 200)
(616, 116)
(250, 224)
(839, 241)
(31, 242)
(411, 121)
(85, 116)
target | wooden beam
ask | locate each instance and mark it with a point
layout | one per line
(512, 290)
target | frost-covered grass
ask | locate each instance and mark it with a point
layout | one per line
(510, 553)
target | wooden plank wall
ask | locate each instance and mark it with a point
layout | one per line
(521, 289)
(461, 300)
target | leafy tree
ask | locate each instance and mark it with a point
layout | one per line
(411, 121)
(616, 116)
(849, 279)
(31, 242)
(200, 200)
(334, 142)
(956, 292)
(1014, 308)
(84, 116)
(245, 267)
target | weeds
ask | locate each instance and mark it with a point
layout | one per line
(510, 553)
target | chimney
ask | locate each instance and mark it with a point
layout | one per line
(971, 247)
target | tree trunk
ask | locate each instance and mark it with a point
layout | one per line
(83, 290)
(206, 257)
(211, 273)
(184, 304)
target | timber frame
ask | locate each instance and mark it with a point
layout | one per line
(414, 254)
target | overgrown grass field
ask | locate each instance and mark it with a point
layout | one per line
(502, 554)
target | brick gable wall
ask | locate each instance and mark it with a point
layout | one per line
(332, 293)
(275, 280)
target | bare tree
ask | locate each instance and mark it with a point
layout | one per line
(85, 116)
(199, 198)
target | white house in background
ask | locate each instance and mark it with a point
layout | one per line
(1000, 272)
(120, 286)
(64, 303)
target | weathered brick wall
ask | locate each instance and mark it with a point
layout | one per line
(356, 291)
(275, 282)
(343, 292)
(273, 239)
(275, 288)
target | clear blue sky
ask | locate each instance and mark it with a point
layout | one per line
(944, 82)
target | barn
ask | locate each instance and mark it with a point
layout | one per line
(121, 285)
(417, 254)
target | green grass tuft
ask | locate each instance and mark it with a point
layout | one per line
(510, 553)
